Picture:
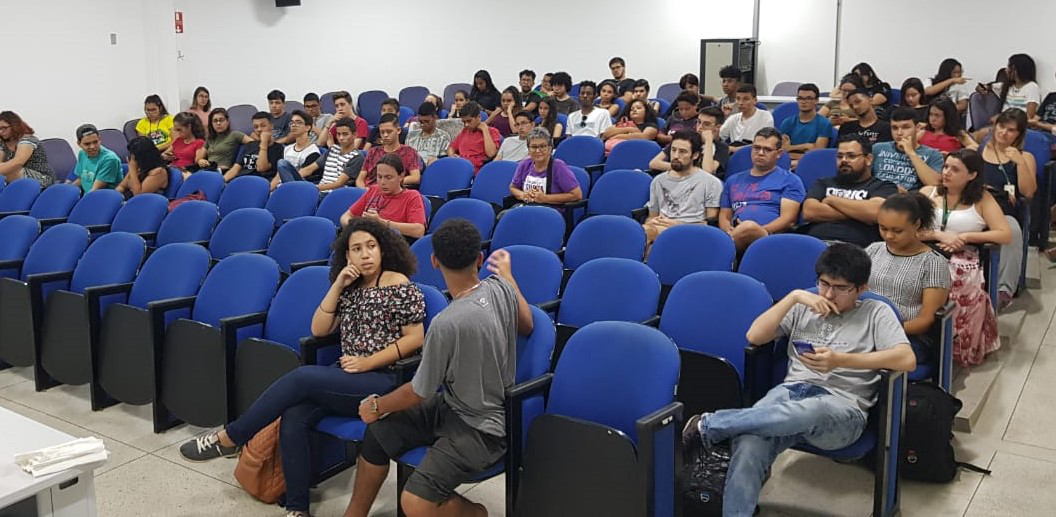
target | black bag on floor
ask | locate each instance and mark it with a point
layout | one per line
(703, 480)
(927, 454)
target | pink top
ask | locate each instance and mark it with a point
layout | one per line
(183, 153)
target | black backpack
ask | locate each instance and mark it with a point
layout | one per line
(926, 453)
(704, 479)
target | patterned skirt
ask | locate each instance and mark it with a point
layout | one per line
(45, 180)
(974, 321)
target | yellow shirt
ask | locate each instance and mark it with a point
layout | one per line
(159, 132)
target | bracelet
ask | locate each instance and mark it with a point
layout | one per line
(326, 311)
(397, 345)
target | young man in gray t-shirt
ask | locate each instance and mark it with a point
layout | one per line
(685, 194)
(827, 393)
(471, 352)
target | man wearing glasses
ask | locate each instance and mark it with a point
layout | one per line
(844, 207)
(762, 200)
(806, 131)
(514, 148)
(589, 120)
(837, 344)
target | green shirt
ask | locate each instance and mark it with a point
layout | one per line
(105, 167)
(223, 149)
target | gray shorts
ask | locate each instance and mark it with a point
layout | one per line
(457, 452)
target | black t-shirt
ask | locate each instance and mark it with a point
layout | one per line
(1047, 110)
(850, 230)
(722, 155)
(624, 86)
(996, 177)
(251, 153)
(885, 90)
(487, 100)
(880, 131)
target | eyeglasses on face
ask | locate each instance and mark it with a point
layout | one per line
(848, 156)
(839, 289)
(760, 149)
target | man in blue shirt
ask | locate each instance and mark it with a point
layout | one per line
(762, 200)
(97, 167)
(806, 131)
(904, 162)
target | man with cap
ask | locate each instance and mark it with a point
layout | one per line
(97, 167)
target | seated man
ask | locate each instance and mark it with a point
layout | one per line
(715, 154)
(514, 148)
(530, 97)
(321, 120)
(731, 83)
(399, 208)
(844, 207)
(250, 160)
(685, 194)
(641, 92)
(827, 392)
(471, 143)
(683, 116)
(300, 154)
(868, 124)
(561, 83)
(340, 165)
(97, 167)
(426, 139)
(807, 130)
(903, 161)
(740, 128)
(389, 128)
(344, 109)
(389, 105)
(280, 120)
(624, 84)
(762, 200)
(470, 350)
(588, 120)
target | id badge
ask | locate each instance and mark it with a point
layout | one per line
(1011, 189)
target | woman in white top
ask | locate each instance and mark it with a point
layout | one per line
(965, 213)
(1020, 90)
(950, 81)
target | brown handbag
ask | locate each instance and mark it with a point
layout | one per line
(259, 468)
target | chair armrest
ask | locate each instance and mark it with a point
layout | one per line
(515, 397)
(311, 345)
(406, 367)
(294, 266)
(944, 339)
(550, 306)
(46, 278)
(204, 244)
(230, 325)
(595, 167)
(653, 431)
(640, 214)
(105, 290)
(98, 228)
(652, 321)
(758, 370)
(147, 236)
(51, 221)
(15, 264)
(92, 295)
(156, 311)
(462, 192)
(168, 304)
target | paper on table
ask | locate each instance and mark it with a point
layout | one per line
(50, 460)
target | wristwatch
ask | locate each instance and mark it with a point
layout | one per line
(374, 404)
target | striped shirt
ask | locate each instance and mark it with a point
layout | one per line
(904, 279)
(335, 164)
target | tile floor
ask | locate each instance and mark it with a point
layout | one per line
(146, 476)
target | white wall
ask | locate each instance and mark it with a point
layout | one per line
(797, 42)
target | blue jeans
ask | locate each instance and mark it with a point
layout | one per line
(789, 414)
(302, 398)
(287, 172)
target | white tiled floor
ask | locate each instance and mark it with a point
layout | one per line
(146, 476)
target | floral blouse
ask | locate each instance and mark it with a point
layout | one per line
(371, 317)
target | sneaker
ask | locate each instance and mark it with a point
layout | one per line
(691, 434)
(297, 513)
(1004, 299)
(207, 447)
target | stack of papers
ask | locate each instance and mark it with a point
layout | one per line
(50, 460)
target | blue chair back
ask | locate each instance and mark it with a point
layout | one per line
(115, 140)
(245, 229)
(19, 195)
(336, 203)
(537, 271)
(61, 157)
(534, 350)
(689, 248)
(816, 164)
(632, 154)
(292, 105)
(609, 289)
(19, 232)
(113, 258)
(618, 192)
(435, 302)
(3, 183)
(1038, 144)
(97, 207)
(290, 313)
(581, 151)
(175, 182)
(605, 236)
(129, 129)
(783, 262)
(583, 178)
(142, 213)
(369, 105)
(534, 225)
(613, 373)
(896, 97)
(449, 92)
(668, 92)
(210, 183)
(664, 106)
(426, 274)
(412, 97)
(241, 117)
(326, 103)
(711, 311)
(292, 200)
(172, 271)
(405, 115)
(492, 183)
(240, 284)
(55, 201)
(244, 192)
(56, 249)
(303, 239)
(189, 222)
(785, 110)
(478, 212)
(741, 160)
(446, 174)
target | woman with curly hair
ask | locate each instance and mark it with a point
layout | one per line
(379, 315)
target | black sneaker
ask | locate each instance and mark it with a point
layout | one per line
(207, 447)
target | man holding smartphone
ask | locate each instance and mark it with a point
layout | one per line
(827, 393)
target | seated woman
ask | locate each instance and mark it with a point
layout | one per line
(147, 171)
(548, 119)
(837, 109)
(378, 313)
(950, 82)
(509, 105)
(461, 98)
(913, 98)
(541, 178)
(943, 130)
(879, 91)
(221, 143)
(188, 136)
(607, 97)
(637, 122)
(157, 124)
(389, 203)
(23, 156)
(965, 213)
(201, 105)
(907, 271)
(1011, 179)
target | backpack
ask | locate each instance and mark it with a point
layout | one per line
(704, 479)
(926, 453)
(259, 468)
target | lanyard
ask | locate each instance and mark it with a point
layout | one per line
(945, 214)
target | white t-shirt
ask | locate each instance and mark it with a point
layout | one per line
(1019, 97)
(959, 92)
(594, 124)
(299, 158)
(737, 128)
(513, 149)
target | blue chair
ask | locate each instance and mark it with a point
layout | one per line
(619, 192)
(941, 333)
(632, 154)
(785, 110)
(443, 178)
(175, 182)
(61, 157)
(192, 221)
(244, 230)
(241, 117)
(741, 160)
(664, 106)
(95, 211)
(668, 92)
(336, 203)
(64, 354)
(124, 352)
(492, 184)
(47, 266)
(537, 272)
(19, 232)
(368, 105)
(260, 361)
(19, 195)
(115, 140)
(292, 200)
(292, 105)
(412, 97)
(141, 215)
(1039, 144)
(689, 248)
(783, 262)
(607, 443)
(449, 91)
(540, 226)
(478, 212)
(129, 129)
(426, 273)
(244, 192)
(816, 164)
(604, 236)
(53, 204)
(197, 354)
(582, 151)
(210, 183)
(405, 115)
(3, 183)
(305, 241)
(326, 103)
(896, 97)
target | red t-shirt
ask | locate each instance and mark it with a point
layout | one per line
(405, 207)
(183, 153)
(362, 130)
(407, 155)
(944, 143)
(469, 144)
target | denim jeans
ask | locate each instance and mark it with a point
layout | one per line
(302, 398)
(789, 414)
(287, 172)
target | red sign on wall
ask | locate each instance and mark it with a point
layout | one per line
(179, 22)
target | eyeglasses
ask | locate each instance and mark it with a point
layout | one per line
(541, 147)
(838, 289)
(848, 156)
(758, 149)
(296, 123)
(806, 98)
(219, 119)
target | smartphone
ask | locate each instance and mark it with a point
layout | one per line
(802, 347)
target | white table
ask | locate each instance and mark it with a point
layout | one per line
(68, 493)
(772, 101)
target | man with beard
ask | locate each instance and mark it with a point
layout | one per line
(685, 194)
(844, 207)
